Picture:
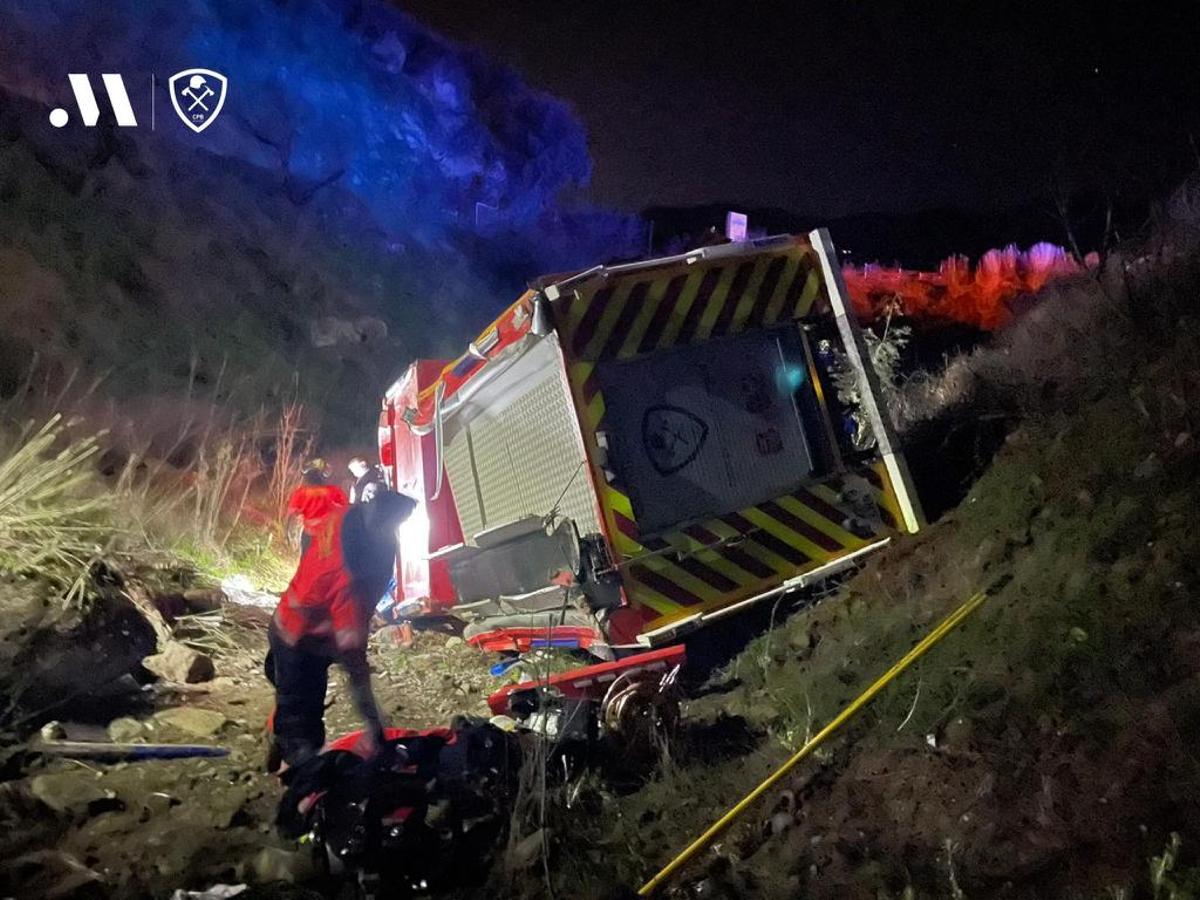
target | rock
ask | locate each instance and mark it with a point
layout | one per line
(779, 823)
(1147, 468)
(223, 807)
(802, 642)
(52, 653)
(57, 875)
(159, 802)
(53, 731)
(192, 720)
(330, 331)
(762, 711)
(216, 892)
(526, 851)
(202, 600)
(71, 793)
(273, 864)
(957, 733)
(180, 663)
(454, 641)
(124, 730)
(169, 606)
(84, 731)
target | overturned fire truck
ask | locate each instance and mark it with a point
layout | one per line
(634, 451)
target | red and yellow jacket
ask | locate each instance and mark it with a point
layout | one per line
(313, 502)
(321, 601)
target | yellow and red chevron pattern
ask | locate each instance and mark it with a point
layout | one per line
(715, 563)
(638, 313)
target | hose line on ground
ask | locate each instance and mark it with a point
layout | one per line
(945, 627)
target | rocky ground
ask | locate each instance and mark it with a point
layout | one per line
(82, 828)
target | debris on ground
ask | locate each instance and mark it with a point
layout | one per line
(169, 824)
(216, 892)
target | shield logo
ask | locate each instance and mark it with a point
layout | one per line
(198, 95)
(672, 437)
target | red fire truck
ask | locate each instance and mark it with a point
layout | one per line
(634, 451)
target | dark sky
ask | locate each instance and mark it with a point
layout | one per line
(835, 107)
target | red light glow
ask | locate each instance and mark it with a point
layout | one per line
(980, 295)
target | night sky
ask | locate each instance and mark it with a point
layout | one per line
(831, 108)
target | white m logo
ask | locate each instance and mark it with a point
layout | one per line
(85, 99)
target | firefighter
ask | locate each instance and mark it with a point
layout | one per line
(367, 480)
(314, 499)
(323, 617)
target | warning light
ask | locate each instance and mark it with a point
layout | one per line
(736, 226)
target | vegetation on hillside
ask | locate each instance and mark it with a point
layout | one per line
(1042, 749)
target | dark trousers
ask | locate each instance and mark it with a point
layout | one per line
(300, 675)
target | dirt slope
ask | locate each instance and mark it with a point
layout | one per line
(1044, 749)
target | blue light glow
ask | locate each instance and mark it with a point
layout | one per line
(420, 130)
(790, 377)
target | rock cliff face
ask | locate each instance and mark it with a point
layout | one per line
(369, 192)
(176, 274)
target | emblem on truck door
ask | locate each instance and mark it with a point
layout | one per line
(671, 437)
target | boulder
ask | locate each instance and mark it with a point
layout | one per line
(527, 851)
(223, 807)
(330, 331)
(192, 720)
(273, 864)
(71, 793)
(51, 654)
(180, 663)
(203, 600)
(124, 730)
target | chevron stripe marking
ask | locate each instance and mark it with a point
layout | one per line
(792, 270)
(801, 527)
(663, 585)
(620, 328)
(703, 294)
(662, 314)
(737, 290)
(766, 291)
(591, 318)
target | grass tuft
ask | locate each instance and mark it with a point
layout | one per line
(51, 518)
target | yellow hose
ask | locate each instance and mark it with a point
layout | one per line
(947, 625)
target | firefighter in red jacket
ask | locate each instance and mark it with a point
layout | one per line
(323, 618)
(314, 499)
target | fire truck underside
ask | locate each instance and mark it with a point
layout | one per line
(638, 449)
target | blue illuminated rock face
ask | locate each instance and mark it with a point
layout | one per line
(442, 146)
(370, 193)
